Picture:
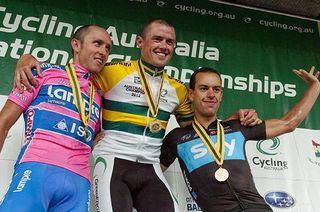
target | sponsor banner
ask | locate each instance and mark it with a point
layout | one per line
(285, 195)
(255, 51)
(308, 143)
(275, 158)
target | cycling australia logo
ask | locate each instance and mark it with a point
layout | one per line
(269, 161)
(265, 148)
(279, 199)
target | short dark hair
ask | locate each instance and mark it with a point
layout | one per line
(82, 32)
(201, 70)
(146, 25)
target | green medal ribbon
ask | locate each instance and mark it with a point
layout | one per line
(153, 105)
(216, 151)
(77, 96)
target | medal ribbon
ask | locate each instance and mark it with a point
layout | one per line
(153, 105)
(77, 96)
(216, 151)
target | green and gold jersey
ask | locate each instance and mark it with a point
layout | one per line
(126, 115)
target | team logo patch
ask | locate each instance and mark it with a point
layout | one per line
(103, 161)
(185, 137)
(164, 92)
(136, 80)
(61, 125)
(279, 199)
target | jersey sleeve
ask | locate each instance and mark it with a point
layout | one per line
(24, 99)
(110, 75)
(100, 80)
(169, 149)
(184, 111)
(256, 132)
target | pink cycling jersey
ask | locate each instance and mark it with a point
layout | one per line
(54, 131)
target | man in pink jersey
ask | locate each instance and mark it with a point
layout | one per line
(61, 116)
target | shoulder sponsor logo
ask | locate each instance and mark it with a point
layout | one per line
(19, 95)
(186, 137)
(279, 199)
(45, 66)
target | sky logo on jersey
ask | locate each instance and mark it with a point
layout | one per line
(279, 199)
(195, 154)
(267, 148)
(316, 148)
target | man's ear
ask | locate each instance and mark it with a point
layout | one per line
(190, 95)
(221, 96)
(75, 44)
(139, 41)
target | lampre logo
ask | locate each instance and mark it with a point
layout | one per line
(24, 179)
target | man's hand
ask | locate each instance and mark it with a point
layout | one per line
(248, 117)
(23, 75)
(309, 77)
(97, 138)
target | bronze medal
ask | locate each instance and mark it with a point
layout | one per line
(221, 174)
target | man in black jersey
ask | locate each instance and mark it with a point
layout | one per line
(220, 181)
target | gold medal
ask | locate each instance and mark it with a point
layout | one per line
(155, 126)
(221, 174)
(153, 102)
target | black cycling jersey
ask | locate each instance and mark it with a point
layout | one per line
(198, 166)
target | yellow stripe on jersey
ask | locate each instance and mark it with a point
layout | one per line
(112, 73)
(130, 118)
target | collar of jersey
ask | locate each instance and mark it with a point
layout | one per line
(152, 70)
(82, 72)
(212, 126)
